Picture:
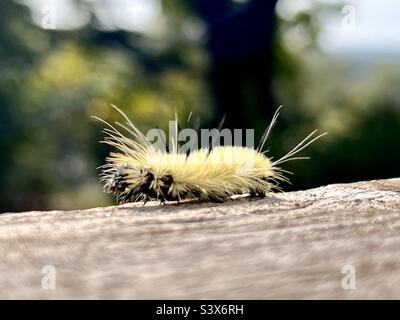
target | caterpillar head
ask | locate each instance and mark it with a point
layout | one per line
(117, 183)
(135, 184)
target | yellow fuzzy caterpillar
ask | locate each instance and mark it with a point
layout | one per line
(139, 171)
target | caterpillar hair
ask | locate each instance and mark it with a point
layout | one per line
(140, 172)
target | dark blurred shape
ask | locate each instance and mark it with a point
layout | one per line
(240, 44)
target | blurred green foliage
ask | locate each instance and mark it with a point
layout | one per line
(52, 81)
(357, 103)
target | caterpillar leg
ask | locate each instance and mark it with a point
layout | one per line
(146, 199)
(216, 199)
(257, 193)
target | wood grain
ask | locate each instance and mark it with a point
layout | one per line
(288, 245)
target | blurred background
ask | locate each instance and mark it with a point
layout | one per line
(334, 65)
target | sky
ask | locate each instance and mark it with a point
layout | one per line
(376, 28)
(135, 15)
(367, 26)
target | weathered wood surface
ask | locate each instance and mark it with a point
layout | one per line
(288, 245)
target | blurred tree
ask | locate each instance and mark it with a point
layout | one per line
(240, 38)
(18, 53)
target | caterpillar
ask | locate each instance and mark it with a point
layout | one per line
(139, 171)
